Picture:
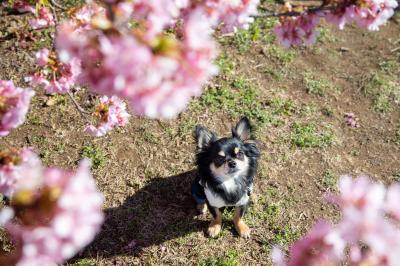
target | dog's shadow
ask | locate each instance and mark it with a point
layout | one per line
(162, 210)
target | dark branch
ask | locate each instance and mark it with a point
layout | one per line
(269, 13)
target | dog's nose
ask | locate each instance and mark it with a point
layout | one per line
(231, 164)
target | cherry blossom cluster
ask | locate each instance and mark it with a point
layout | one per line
(110, 113)
(53, 75)
(368, 229)
(14, 164)
(158, 76)
(298, 30)
(43, 16)
(351, 120)
(368, 14)
(232, 15)
(52, 213)
(14, 104)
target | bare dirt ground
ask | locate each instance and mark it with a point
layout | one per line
(296, 99)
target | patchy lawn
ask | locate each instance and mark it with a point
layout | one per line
(296, 98)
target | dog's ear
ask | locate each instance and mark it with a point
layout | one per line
(252, 150)
(242, 130)
(203, 137)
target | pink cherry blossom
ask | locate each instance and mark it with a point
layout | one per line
(351, 120)
(18, 169)
(14, 104)
(321, 246)
(340, 16)
(65, 217)
(158, 78)
(23, 7)
(42, 57)
(364, 228)
(111, 113)
(369, 14)
(231, 14)
(44, 19)
(392, 205)
(54, 76)
(292, 31)
(374, 13)
(156, 15)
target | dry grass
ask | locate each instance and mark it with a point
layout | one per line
(145, 169)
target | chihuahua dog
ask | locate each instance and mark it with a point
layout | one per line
(226, 169)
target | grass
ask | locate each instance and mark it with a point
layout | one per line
(327, 182)
(39, 140)
(326, 35)
(95, 154)
(327, 111)
(148, 154)
(315, 86)
(309, 110)
(282, 56)
(283, 235)
(225, 64)
(186, 127)
(229, 259)
(84, 262)
(237, 97)
(397, 136)
(307, 135)
(383, 86)
(259, 31)
(150, 137)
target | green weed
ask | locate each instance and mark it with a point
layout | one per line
(308, 136)
(318, 87)
(95, 154)
(327, 182)
(230, 259)
(397, 136)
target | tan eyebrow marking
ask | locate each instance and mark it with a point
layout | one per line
(236, 150)
(222, 153)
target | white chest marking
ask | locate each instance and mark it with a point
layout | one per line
(216, 201)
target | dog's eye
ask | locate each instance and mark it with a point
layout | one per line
(240, 155)
(220, 159)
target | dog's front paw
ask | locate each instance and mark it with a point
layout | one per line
(213, 230)
(243, 230)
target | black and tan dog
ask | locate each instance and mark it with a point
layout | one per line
(226, 169)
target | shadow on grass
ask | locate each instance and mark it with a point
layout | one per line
(162, 210)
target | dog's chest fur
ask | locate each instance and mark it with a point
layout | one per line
(229, 193)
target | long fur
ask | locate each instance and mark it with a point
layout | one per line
(208, 147)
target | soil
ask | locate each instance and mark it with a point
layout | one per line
(146, 167)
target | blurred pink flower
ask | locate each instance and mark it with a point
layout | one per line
(42, 57)
(18, 169)
(322, 246)
(364, 227)
(23, 7)
(156, 15)
(232, 15)
(14, 104)
(44, 19)
(392, 203)
(58, 220)
(111, 113)
(158, 78)
(368, 14)
(54, 76)
(292, 31)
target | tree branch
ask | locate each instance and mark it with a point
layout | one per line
(270, 13)
(82, 111)
(56, 4)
